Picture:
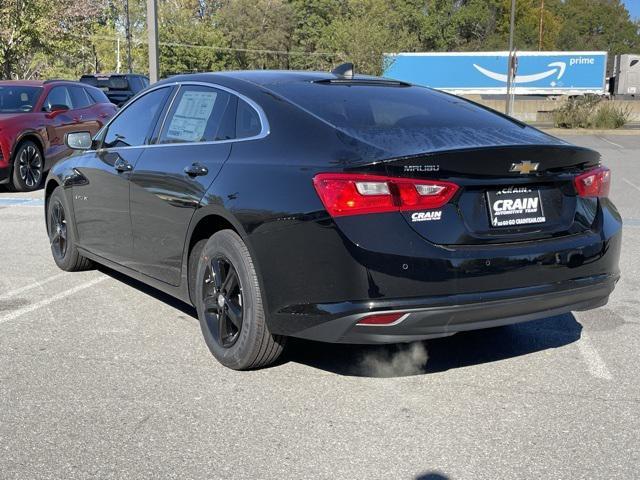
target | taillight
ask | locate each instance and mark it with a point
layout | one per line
(346, 194)
(594, 183)
(424, 195)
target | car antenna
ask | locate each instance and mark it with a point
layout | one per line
(344, 70)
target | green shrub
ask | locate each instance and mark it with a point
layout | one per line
(576, 112)
(610, 116)
(590, 111)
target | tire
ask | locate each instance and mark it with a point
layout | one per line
(231, 311)
(62, 237)
(28, 168)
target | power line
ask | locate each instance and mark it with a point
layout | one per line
(211, 47)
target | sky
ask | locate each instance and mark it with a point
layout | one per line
(634, 8)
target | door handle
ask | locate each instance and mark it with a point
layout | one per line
(196, 170)
(122, 166)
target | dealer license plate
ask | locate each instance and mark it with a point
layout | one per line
(515, 206)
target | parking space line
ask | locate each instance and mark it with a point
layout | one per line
(609, 141)
(21, 202)
(631, 183)
(592, 358)
(631, 222)
(31, 286)
(54, 298)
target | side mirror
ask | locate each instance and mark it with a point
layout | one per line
(56, 109)
(78, 140)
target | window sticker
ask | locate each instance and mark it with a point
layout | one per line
(190, 119)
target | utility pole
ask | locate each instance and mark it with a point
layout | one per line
(541, 32)
(128, 34)
(152, 29)
(510, 62)
(118, 62)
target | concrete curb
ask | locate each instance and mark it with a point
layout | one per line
(588, 131)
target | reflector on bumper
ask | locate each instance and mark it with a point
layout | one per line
(383, 319)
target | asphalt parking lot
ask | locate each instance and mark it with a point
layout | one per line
(102, 377)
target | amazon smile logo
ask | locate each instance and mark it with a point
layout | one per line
(557, 68)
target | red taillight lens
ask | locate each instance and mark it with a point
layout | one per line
(341, 194)
(594, 183)
(382, 319)
(346, 194)
(424, 195)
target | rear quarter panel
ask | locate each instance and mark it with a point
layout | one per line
(265, 190)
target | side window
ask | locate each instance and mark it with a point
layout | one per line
(97, 95)
(196, 115)
(247, 121)
(79, 97)
(134, 124)
(58, 96)
(227, 130)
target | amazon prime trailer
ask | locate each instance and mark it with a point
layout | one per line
(537, 73)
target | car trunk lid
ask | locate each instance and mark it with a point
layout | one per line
(506, 193)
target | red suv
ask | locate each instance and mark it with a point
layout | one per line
(35, 116)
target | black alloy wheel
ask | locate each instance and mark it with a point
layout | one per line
(222, 300)
(62, 235)
(58, 230)
(228, 298)
(29, 165)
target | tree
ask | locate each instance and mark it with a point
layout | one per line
(474, 22)
(189, 39)
(310, 20)
(369, 29)
(598, 25)
(259, 30)
(65, 38)
(527, 25)
(23, 30)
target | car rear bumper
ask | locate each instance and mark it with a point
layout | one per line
(4, 175)
(332, 276)
(445, 315)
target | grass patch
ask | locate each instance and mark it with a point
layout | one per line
(590, 111)
(610, 116)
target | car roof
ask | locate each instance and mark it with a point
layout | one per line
(41, 83)
(25, 83)
(108, 75)
(265, 77)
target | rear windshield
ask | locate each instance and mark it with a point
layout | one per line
(118, 83)
(15, 98)
(89, 80)
(100, 82)
(406, 120)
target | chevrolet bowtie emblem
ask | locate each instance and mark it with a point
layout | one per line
(524, 167)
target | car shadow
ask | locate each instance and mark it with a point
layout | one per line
(438, 355)
(418, 358)
(151, 291)
(432, 476)
(5, 189)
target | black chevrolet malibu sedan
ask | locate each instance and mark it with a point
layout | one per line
(335, 207)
